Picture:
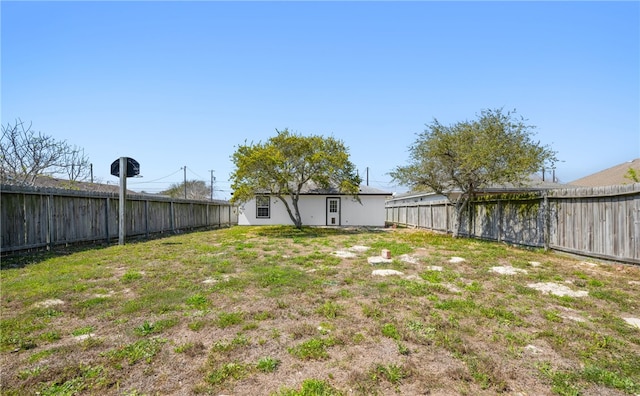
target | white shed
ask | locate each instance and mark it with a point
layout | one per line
(319, 207)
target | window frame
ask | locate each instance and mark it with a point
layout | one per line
(265, 204)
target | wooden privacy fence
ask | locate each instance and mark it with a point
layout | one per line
(602, 222)
(36, 218)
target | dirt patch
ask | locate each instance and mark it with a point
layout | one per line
(359, 248)
(378, 260)
(344, 254)
(49, 303)
(633, 322)
(409, 259)
(386, 272)
(508, 270)
(557, 289)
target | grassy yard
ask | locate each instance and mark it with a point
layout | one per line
(278, 311)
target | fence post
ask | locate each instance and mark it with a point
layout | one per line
(146, 218)
(546, 212)
(171, 217)
(106, 219)
(49, 221)
(500, 220)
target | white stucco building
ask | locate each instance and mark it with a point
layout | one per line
(319, 207)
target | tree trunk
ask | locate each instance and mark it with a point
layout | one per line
(460, 205)
(295, 217)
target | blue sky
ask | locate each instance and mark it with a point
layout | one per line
(175, 84)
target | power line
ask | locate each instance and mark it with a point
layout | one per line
(194, 173)
(155, 180)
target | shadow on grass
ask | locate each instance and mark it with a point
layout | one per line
(312, 232)
(23, 258)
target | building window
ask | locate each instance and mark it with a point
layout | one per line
(263, 207)
(333, 206)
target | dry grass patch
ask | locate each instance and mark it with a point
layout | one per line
(275, 311)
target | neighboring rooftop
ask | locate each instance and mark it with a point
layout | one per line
(611, 176)
(64, 184)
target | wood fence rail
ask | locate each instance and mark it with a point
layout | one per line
(38, 217)
(601, 222)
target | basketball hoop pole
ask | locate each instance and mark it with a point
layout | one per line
(123, 193)
(123, 167)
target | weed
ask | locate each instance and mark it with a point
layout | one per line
(227, 372)
(390, 330)
(36, 357)
(456, 305)
(330, 310)
(197, 301)
(191, 349)
(91, 342)
(227, 319)
(403, 349)
(268, 364)
(562, 382)
(263, 315)
(140, 350)
(93, 302)
(131, 276)
(50, 336)
(197, 325)
(372, 312)
(82, 331)
(183, 347)
(552, 316)
(432, 276)
(310, 387)
(34, 372)
(147, 328)
(392, 373)
(76, 380)
(313, 349)
(237, 342)
(422, 333)
(610, 379)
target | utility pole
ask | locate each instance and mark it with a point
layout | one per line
(367, 176)
(185, 182)
(212, 180)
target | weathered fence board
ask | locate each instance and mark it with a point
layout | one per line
(34, 218)
(600, 222)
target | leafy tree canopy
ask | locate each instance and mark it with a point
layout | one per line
(287, 163)
(632, 175)
(495, 149)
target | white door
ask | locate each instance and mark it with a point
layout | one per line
(333, 211)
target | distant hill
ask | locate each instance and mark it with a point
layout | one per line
(610, 176)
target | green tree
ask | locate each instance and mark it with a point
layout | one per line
(195, 189)
(287, 163)
(462, 159)
(632, 175)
